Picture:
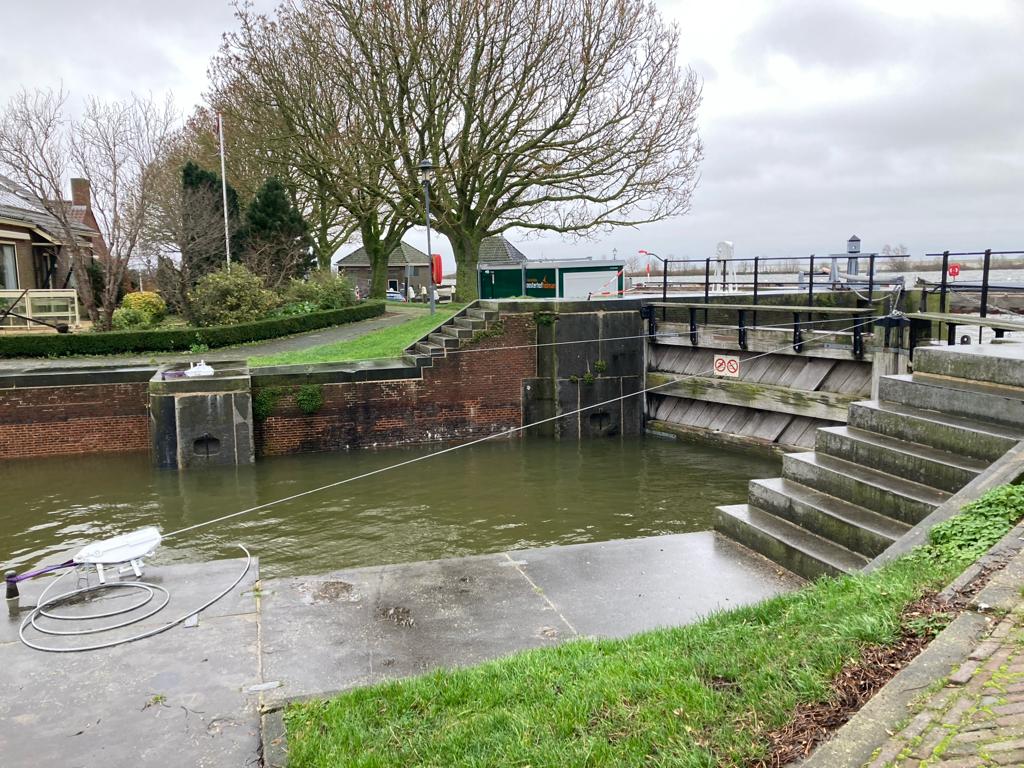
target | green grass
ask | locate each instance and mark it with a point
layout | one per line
(386, 342)
(701, 695)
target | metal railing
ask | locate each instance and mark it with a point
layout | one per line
(39, 307)
(943, 288)
(760, 276)
(847, 322)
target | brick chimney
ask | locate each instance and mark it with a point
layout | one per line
(80, 192)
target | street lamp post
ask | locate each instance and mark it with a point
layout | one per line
(426, 175)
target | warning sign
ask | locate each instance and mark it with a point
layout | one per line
(727, 365)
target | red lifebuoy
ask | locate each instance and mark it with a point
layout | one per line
(435, 265)
(954, 270)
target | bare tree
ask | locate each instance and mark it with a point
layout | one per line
(562, 115)
(114, 145)
(36, 151)
(894, 263)
(279, 80)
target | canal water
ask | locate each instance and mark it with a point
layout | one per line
(485, 498)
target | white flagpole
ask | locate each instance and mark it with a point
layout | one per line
(224, 190)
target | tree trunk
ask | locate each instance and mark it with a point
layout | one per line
(83, 284)
(467, 254)
(378, 255)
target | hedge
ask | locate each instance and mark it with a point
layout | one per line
(177, 339)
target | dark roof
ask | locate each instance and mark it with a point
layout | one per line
(20, 205)
(498, 250)
(402, 255)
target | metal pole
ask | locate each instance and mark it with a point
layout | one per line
(753, 320)
(984, 287)
(430, 255)
(942, 289)
(224, 191)
(871, 277)
(810, 283)
(707, 285)
(664, 287)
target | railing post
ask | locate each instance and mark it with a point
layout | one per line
(741, 328)
(942, 282)
(871, 278)
(984, 281)
(753, 320)
(798, 337)
(664, 287)
(810, 283)
(693, 326)
(707, 285)
(858, 339)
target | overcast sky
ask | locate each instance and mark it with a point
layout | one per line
(899, 120)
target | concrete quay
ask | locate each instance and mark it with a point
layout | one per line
(194, 695)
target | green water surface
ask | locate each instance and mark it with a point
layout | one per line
(485, 498)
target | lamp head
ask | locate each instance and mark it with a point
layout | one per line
(426, 170)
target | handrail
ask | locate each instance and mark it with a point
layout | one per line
(765, 308)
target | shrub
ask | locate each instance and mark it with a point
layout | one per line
(310, 398)
(226, 298)
(172, 339)
(324, 289)
(148, 304)
(127, 318)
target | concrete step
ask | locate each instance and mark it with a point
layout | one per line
(993, 363)
(956, 397)
(470, 322)
(855, 528)
(434, 350)
(880, 492)
(911, 461)
(463, 334)
(444, 340)
(487, 315)
(789, 545)
(968, 437)
(418, 360)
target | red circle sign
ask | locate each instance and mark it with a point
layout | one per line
(954, 270)
(719, 365)
(733, 366)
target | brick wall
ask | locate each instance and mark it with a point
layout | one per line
(96, 418)
(475, 392)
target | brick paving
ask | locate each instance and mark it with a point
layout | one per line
(977, 718)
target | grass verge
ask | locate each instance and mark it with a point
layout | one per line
(387, 342)
(703, 695)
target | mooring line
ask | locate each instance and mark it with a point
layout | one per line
(505, 433)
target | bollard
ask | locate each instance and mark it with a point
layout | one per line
(13, 595)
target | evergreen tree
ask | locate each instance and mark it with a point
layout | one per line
(202, 249)
(276, 240)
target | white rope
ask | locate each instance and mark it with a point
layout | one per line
(460, 446)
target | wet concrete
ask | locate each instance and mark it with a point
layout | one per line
(179, 698)
(193, 695)
(352, 628)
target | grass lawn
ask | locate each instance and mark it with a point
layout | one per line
(387, 342)
(701, 695)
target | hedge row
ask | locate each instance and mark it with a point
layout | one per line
(175, 339)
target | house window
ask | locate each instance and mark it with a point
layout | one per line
(8, 268)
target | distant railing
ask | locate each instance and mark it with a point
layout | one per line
(716, 274)
(943, 287)
(39, 308)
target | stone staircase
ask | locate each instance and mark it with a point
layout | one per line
(452, 334)
(899, 457)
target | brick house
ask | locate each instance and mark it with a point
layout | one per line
(32, 254)
(404, 264)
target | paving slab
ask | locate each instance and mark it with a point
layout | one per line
(327, 633)
(619, 588)
(179, 698)
(324, 634)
